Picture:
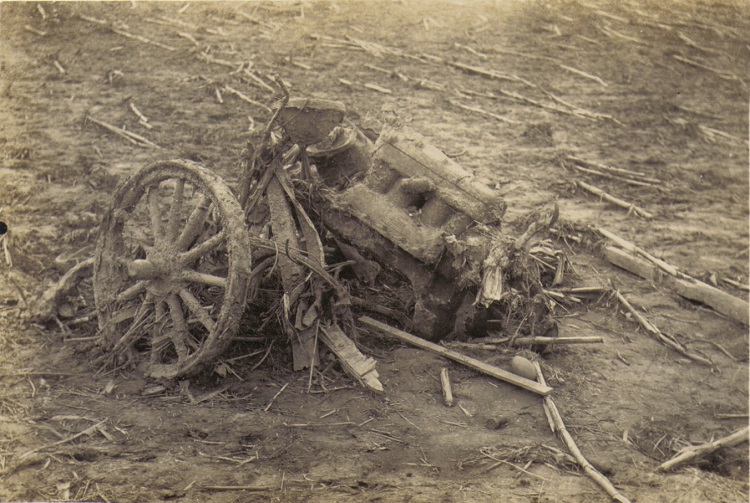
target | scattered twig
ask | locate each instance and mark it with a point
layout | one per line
(694, 45)
(611, 16)
(632, 208)
(6, 251)
(188, 36)
(696, 451)
(483, 112)
(125, 33)
(558, 427)
(258, 81)
(223, 62)
(615, 34)
(143, 120)
(471, 50)
(319, 425)
(499, 462)
(661, 337)
(375, 87)
(245, 98)
(34, 30)
(445, 384)
(583, 74)
(87, 431)
(620, 172)
(736, 284)
(237, 488)
(622, 358)
(713, 134)
(731, 416)
(489, 73)
(613, 177)
(720, 73)
(133, 138)
(59, 67)
(576, 111)
(275, 397)
(268, 351)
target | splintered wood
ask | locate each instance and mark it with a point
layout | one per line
(357, 365)
(696, 451)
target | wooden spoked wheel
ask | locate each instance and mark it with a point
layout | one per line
(172, 264)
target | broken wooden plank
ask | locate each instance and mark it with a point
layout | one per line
(470, 362)
(359, 366)
(695, 451)
(692, 289)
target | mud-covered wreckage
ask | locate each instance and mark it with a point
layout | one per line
(328, 218)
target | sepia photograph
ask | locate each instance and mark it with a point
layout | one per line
(375, 251)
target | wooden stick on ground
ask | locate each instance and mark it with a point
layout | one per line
(721, 74)
(473, 363)
(611, 176)
(632, 208)
(445, 383)
(125, 33)
(583, 74)
(689, 288)
(636, 175)
(87, 431)
(663, 338)
(133, 138)
(695, 451)
(632, 248)
(245, 98)
(275, 397)
(558, 426)
(483, 112)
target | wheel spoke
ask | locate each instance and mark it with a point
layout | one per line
(179, 327)
(157, 339)
(194, 224)
(197, 309)
(131, 292)
(155, 212)
(202, 277)
(202, 248)
(175, 210)
(140, 319)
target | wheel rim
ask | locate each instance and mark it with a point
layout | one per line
(171, 270)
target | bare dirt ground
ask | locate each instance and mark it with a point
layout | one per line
(669, 82)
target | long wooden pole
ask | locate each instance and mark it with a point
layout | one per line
(498, 373)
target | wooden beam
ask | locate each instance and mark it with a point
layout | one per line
(470, 362)
(692, 289)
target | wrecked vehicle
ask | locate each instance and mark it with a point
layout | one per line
(326, 220)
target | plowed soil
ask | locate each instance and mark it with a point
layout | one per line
(510, 90)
